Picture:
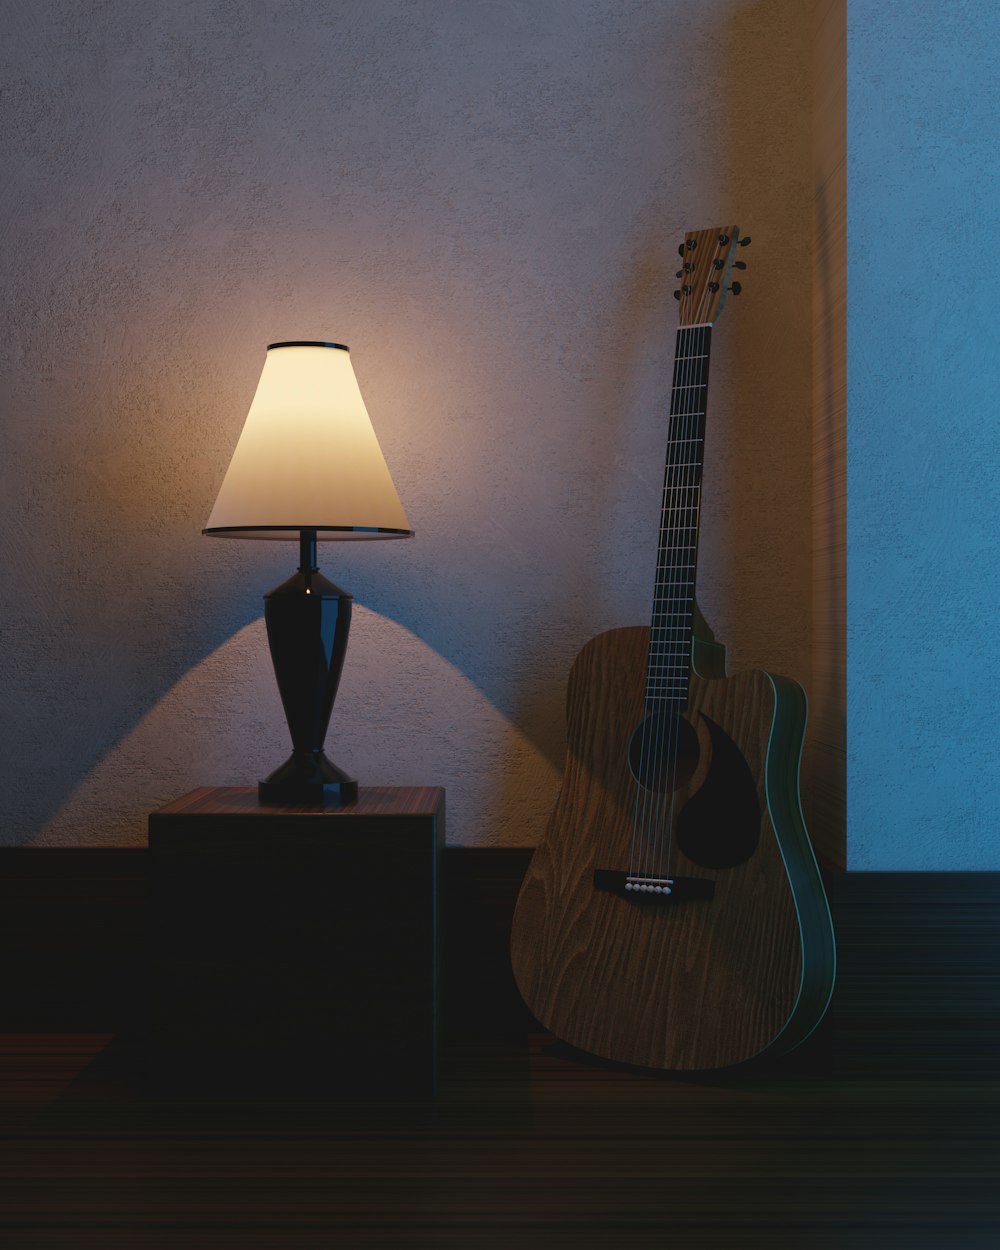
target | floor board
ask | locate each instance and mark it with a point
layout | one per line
(525, 1146)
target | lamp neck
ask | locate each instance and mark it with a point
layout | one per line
(307, 551)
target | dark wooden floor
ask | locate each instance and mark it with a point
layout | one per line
(885, 1132)
(525, 1146)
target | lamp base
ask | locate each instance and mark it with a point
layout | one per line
(307, 779)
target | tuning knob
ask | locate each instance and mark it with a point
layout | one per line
(713, 287)
(723, 240)
(739, 264)
(677, 294)
(680, 250)
(745, 241)
(736, 288)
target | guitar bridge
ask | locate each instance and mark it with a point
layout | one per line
(638, 886)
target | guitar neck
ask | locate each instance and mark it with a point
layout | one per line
(669, 663)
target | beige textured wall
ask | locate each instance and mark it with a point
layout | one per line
(482, 199)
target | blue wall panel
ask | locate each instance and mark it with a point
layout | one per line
(923, 435)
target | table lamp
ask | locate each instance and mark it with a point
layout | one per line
(308, 467)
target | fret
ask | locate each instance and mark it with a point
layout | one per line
(669, 656)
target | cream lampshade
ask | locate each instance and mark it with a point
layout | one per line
(308, 457)
(308, 466)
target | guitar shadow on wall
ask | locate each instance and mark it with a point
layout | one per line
(628, 405)
(785, 563)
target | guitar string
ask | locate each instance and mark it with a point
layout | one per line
(668, 604)
(683, 630)
(673, 601)
(671, 677)
(700, 423)
(664, 603)
(644, 823)
(656, 704)
(673, 651)
(652, 707)
(672, 608)
(641, 825)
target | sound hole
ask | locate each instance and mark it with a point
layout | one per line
(663, 752)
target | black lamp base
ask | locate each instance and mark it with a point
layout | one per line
(307, 779)
(308, 619)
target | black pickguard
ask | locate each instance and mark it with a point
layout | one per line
(719, 826)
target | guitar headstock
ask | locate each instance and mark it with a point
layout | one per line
(707, 259)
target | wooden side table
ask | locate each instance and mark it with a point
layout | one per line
(295, 952)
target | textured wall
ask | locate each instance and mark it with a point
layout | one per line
(484, 201)
(923, 442)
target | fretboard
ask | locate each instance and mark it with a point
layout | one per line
(669, 664)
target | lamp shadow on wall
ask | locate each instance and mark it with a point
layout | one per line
(221, 724)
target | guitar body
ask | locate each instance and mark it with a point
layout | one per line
(686, 983)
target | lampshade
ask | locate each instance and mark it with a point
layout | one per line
(308, 458)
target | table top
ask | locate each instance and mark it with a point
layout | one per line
(243, 801)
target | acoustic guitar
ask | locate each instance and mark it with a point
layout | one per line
(673, 916)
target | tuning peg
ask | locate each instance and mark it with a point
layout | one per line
(718, 264)
(677, 294)
(723, 240)
(713, 287)
(680, 250)
(679, 273)
(745, 241)
(739, 264)
(736, 288)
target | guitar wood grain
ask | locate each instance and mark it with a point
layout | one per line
(688, 986)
